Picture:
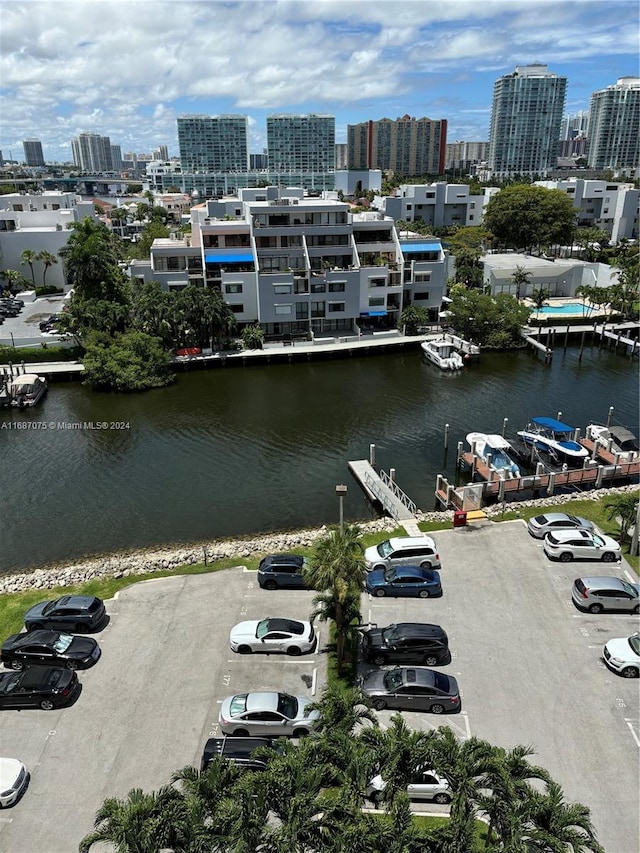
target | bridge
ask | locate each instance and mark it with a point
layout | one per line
(382, 489)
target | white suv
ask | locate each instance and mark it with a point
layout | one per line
(424, 785)
(567, 545)
(623, 655)
(403, 551)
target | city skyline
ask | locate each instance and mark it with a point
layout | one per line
(150, 62)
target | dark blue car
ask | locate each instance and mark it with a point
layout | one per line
(404, 580)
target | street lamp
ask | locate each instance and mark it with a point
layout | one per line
(341, 491)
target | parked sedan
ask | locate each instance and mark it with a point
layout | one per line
(549, 522)
(40, 687)
(567, 545)
(77, 613)
(267, 715)
(49, 647)
(622, 655)
(424, 785)
(404, 580)
(411, 689)
(273, 635)
(14, 779)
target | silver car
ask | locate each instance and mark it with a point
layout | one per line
(267, 715)
(567, 545)
(424, 785)
(598, 594)
(549, 522)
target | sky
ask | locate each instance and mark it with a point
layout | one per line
(128, 68)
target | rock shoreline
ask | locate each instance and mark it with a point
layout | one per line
(134, 563)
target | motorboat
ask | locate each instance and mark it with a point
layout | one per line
(443, 354)
(26, 389)
(615, 439)
(554, 438)
(494, 451)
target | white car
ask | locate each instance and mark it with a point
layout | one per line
(14, 778)
(263, 714)
(275, 634)
(424, 785)
(403, 551)
(567, 545)
(622, 655)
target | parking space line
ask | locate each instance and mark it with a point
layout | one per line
(298, 660)
(629, 576)
(314, 681)
(633, 731)
(6, 820)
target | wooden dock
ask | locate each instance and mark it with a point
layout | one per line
(381, 489)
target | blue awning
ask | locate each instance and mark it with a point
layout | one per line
(408, 248)
(222, 258)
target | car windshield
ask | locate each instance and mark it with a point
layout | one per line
(62, 643)
(573, 519)
(393, 679)
(238, 704)
(288, 705)
(389, 573)
(634, 642)
(262, 629)
(389, 632)
(384, 548)
(49, 607)
(598, 540)
(632, 590)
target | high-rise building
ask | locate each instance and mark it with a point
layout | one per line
(301, 144)
(160, 153)
(461, 155)
(575, 126)
(342, 158)
(406, 146)
(525, 122)
(614, 118)
(33, 155)
(116, 158)
(213, 143)
(92, 152)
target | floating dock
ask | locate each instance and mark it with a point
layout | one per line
(380, 488)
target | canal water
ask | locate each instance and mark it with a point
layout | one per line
(244, 450)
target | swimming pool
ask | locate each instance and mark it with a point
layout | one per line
(572, 308)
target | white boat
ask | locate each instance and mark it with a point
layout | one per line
(494, 452)
(26, 389)
(443, 354)
(615, 439)
(554, 437)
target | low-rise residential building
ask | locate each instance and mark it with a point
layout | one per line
(301, 265)
(39, 222)
(611, 207)
(439, 205)
(558, 278)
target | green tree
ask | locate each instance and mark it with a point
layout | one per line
(525, 216)
(127, 361)
(468, 265)
(48, 259)
(520, 277)
(28, 257)
(152, 311)
(153, 230)
(253, 336)
(539, 296)
(622, 508)
(555, 825)
(14, 280)
(412, 318)
(591, 241)
(337, 569)
(491, 321)
(91, 262)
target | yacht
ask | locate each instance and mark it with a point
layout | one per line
(443, 354)
(494, 451)
(615, 439)
(554, 438)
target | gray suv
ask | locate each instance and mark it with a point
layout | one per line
(598, 594)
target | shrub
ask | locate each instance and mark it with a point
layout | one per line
(29, 355)
(47, 289)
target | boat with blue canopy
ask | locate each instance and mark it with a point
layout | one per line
(553, 437)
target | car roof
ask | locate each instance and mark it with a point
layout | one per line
(262, 701)
(554, 516)
(295, 559)
(82, 602)
(603, 583)
(26, 639)
(412, 542)
(420, 629)
(414, 571)
(234, 747)
(561, 535)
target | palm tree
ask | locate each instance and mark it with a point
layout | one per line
(14, 280)
(48, 259)
(143, 823)
(554, 825)
(342, 709)
(28, 256)
(520, 277)
(587, 291)
(539, 297)
(91, 262)
(337, 569)
(623, 508)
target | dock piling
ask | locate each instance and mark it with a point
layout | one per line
(446, 436)
(372, 455)
(609, 416)
(505, 423)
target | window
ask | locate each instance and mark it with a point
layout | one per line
(336, 306)
(423, 294)
(283, 309)
(318, 286)
(376, 302)
(237, 309)
(233, 288)
(337, 286)
(302, 311)
(377, 282)
(317, 309)
(281, 289)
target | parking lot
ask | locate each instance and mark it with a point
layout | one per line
(23, 330)
(528, 664)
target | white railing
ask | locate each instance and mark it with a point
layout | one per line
(382, 494)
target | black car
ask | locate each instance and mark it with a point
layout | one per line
(240, 750)
(412, 689)
(49, 647)
(406, 642)
(280, 571)
(40, 687)
(77, 613)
